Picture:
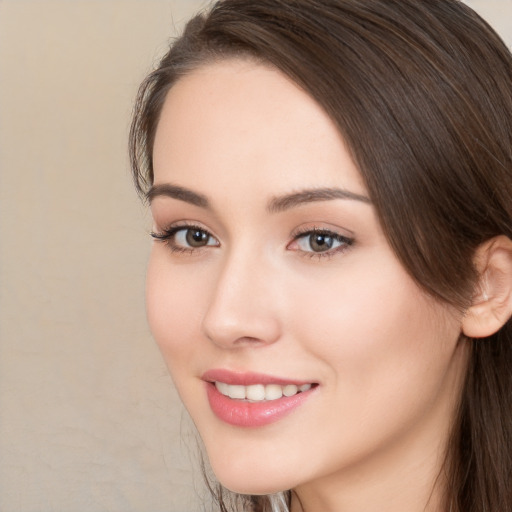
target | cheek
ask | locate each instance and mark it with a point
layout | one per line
(387, 356)
(173, 305)
(375, 328)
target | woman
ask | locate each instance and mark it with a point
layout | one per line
(331, 283)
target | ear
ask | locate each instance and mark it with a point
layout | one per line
(492, 304)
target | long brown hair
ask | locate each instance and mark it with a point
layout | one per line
(421, 91)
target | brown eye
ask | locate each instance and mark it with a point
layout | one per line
(320, 242)
(196, 237)
(186, 238)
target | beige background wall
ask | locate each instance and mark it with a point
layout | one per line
(89, 420)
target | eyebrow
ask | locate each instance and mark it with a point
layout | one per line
(176, 192)
(282, 203)
(275, 205)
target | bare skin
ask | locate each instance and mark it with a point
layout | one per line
(303, 287)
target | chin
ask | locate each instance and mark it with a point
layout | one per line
(249, 480)
(248, 487)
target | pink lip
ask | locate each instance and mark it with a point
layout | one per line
(242, 413)
(247, 378)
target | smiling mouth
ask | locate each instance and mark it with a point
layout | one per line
(253, 400)
(260, 392)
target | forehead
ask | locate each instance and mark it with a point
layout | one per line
(237, 119)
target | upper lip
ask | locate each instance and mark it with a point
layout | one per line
(248, 378)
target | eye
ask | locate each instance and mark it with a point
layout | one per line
(320, 242)
(193, 237)
(186, 238)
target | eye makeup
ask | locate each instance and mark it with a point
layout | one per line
(320, 242)
(310, 242)
(185, 238)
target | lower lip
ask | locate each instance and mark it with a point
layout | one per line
(241, 413)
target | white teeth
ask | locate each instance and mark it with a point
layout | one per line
(255, 392)
(259, 392)
(236, 392)
(290, 390)
(273, 392)
(222, 388)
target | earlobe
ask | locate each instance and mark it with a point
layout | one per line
(491, 307)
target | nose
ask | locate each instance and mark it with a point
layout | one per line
(243, 310)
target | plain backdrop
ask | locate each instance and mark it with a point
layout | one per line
(89, 420)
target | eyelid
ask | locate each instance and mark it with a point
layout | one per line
(346, 241)
(322, 228)
(180, 224)
(167, 235)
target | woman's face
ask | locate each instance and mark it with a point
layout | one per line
(270, 274)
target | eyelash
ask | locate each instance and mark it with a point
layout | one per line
(345, 242)
(167, 236)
